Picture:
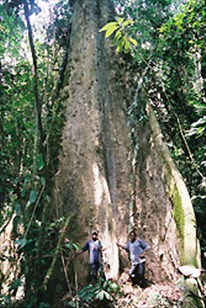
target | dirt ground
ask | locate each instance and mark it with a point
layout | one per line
(153, 295)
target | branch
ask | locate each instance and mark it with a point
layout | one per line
(34, 210)
(38, 105)
(56, 253)
(66, 275)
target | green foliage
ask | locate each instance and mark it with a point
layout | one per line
(5, 301)
(183, 43)
(11, 32)
(24, 190)
(98, 295)
(121, 39)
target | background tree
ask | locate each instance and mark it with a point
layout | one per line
(170, 53)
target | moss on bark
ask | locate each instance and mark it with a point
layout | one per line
(188, 245)
(178, 212)
(182, 207)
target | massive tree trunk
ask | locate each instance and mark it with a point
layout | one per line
(94, 180)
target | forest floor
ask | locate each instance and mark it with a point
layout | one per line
(168, 294)
(157, 295)
(153, 295)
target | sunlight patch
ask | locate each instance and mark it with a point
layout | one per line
(101, 191)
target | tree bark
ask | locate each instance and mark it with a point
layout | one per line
(94, 178)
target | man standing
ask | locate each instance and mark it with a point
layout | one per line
(94, 247)
(136, 249)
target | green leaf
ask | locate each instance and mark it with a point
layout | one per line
(15, 284)
(43, 305)
(115, 286)
(42, 180)
(72, 304)
(118, 49)
(120, 20)
(126, 44)
(110, 31)
(68, 245)
(133, 41)
(127, 22)
(118, 34)
(109, 26)
(18, 208)
(32, 197)
(100, 295)
(21, 242)
(40, 163)
(75, 246)
(108, 296)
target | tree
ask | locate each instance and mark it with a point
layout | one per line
(113, 172)
(96, 181)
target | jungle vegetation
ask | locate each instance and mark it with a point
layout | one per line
(162, 42)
